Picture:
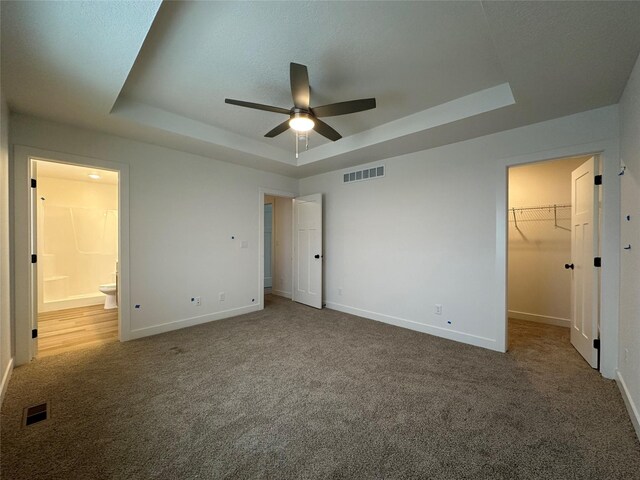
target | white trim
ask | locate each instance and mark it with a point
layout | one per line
(191, 321)
(281, 293)
(447, 333)
(6, 376)
(55, 305)
(546, 319)
(22, 156)
(261, 194)
(628, 401)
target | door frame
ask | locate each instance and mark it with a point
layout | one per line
(272, 253)
(262, 192)
(609, 165)
(21, 223)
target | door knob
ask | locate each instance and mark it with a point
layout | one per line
(568, 266)
(317, 255)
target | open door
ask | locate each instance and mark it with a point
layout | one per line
(307, 250)
(584, 275)
(33, 300)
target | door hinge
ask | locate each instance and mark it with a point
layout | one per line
(33, 183)
(34, 258)
(34, 333)
(598, 180)
(596, 343)
(597, 262)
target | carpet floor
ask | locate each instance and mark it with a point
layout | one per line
(292, 392)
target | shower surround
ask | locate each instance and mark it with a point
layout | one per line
(77, 241)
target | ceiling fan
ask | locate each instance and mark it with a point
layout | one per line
(302, 117)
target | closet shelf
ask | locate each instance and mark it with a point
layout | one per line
(541, 207)
(560, 211)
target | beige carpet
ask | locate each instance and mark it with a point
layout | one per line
(292, 392)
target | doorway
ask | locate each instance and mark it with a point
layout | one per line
(552, 284)
(75, 221)
(291, 255)
(277, 248)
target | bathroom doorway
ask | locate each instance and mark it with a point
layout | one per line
(76, 223)
(277, 238)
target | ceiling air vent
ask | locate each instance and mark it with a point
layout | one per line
(366, 174)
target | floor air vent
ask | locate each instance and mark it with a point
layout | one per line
(366, 174)
(36, 414)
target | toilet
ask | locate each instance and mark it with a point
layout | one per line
(109, 289)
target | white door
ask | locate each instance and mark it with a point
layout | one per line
(33, 308)
(584, 247)
(268, 245)
(307, 250)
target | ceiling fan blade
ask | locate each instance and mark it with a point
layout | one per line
(344, 108)
(257, 106)
(325, 130)
(299, 85)
(283, 127)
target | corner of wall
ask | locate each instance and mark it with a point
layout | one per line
(6, 326)
(634, 415)
(6, 376)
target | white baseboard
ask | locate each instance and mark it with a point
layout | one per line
(281, 293)
(87, 301)
(6, 375)
(628, 401)
(190, 322)
(534, 317)
(455, 335)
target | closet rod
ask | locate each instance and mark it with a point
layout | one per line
(542, 207)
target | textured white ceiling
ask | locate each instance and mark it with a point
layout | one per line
(404, 54)
(71, 61)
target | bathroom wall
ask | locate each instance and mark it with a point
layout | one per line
(539, 286)
(77, 241)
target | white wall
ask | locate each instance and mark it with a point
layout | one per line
(283, 218)
(433, 231)
(6, 347)
(184, 211)
(629, 359)
(539, 286)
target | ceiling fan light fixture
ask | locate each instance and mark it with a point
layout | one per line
(301, 122)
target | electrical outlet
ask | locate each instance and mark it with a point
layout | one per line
(438, 309)
(340, 291)
(223, 296)
(195, 301)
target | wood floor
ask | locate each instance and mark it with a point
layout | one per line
(76, 328)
